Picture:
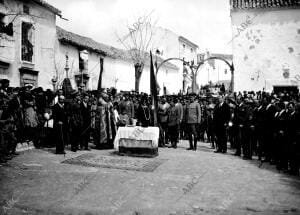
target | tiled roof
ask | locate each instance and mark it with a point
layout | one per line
(48, 6)
(183, 39)
(91, 45)
(257, 4)
(81, 41)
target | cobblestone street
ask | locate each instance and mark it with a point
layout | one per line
(186, 182)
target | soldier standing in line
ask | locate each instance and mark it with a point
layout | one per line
(76, 122)
(86, 122)
(248, 139)
(294, 139)
(163, 121)
(260, 124)
(173, 123)
(269, 131)
(281, 119)
(179, 107)
(183, 126)
(193, 116)
(221, 119)
(241, 116)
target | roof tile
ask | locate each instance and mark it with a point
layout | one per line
(253, 4)
(91, 45)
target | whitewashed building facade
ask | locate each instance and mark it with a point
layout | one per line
(266, 44)
(172, 45)
(117, 66)
(27, 42)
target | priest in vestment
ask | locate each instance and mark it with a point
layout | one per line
(105, 125)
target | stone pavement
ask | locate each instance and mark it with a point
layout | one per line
(187, 182)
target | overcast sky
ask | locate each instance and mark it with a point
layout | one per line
(204, 22)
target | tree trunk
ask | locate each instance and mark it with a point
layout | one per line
(138, 67)
(194, 82)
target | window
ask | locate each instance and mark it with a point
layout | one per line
(27, 42)
(183, 46)
(192, 50)
(5, 28)
(25, 9)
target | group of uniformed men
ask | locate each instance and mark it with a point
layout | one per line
(260, 124)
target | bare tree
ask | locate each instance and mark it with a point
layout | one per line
(137, 42)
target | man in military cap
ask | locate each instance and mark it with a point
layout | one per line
(162, 113)
(193, 119)
(269, 129)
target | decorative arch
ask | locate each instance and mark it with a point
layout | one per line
(200, 64)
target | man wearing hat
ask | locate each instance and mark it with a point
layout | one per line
(193, 117)
(221, 119)
(60, 124)
(76, 122)
(86, 119)
(126, 107)
(4, 84)
(162, 113)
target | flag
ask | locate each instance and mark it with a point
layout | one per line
(153, 90)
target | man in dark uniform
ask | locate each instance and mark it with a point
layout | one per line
(86, 117)
(173, 123)
(249, 140)
(76, 122)
(260, 125)
(294, 139)
(240, 121)
(281, 143)
(60, 124)
(221, 119)
(269, 130)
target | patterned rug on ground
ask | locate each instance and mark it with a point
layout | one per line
(116, 162)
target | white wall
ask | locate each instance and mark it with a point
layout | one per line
(44, 40)
(266, 48)
(116, 72)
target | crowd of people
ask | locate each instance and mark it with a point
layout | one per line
(259, 124)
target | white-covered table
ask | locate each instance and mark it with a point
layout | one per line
(137, 140)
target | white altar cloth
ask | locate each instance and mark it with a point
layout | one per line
(138, 133)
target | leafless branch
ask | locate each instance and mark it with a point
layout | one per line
(138, 38)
